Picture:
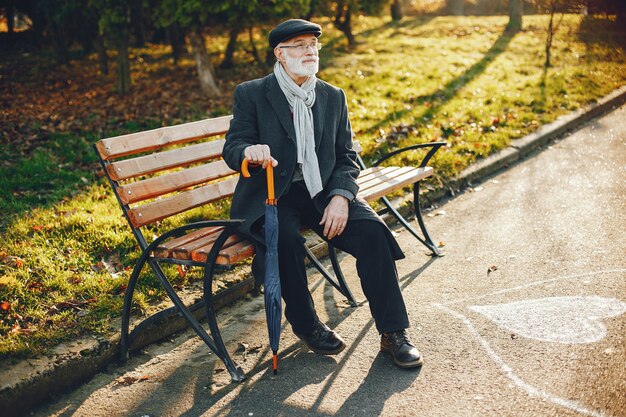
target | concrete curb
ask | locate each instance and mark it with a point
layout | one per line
(31, 382)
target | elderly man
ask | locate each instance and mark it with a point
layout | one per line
(300, 125)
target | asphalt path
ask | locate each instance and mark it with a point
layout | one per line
(524, 316)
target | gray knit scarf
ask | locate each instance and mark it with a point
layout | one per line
(301, 100)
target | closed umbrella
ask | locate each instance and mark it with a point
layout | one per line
(273, 303)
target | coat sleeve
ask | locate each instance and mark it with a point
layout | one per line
(243, 130)
(346, 169)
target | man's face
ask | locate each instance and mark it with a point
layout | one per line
(300, 55)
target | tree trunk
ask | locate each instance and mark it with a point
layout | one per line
(177, 41)
(203, 63)
(313, 5)
(455, 7)
(103, 58)
(550, 33)
(10, 14)
(137, 22)
(516, 11)
(253, 49)
(231, 47)
(123, 65)
(343, 22)
(621, 13)
(60, 48)
(397, 13)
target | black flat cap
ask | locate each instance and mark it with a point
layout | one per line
(292, 28)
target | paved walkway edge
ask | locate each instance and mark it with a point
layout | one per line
(31, 382)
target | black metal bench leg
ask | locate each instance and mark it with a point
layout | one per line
(420, 220)
(128, 301)
(334, 282)
(236, 373)
(426, 240)
(219, 349)
(332, 253)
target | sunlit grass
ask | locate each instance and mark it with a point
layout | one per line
(462, 80)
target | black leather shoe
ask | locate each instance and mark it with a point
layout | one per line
(404, 352)
(323, 340)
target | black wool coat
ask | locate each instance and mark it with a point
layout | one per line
(261, 115)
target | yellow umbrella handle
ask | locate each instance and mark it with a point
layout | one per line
(270, 179)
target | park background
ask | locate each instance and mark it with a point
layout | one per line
(475, 73)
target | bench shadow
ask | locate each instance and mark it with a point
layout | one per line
(201, 373)
(299, 370)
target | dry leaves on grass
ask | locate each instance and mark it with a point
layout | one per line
(112, 264)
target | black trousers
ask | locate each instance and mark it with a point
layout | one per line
(364, 239)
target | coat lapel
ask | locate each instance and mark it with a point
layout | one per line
(319, 108)
(280, 105)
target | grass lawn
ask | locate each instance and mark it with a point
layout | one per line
(66, 249)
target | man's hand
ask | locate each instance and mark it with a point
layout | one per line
(335, 216)
(259, 155)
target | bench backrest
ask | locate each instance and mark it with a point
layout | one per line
(154, 177)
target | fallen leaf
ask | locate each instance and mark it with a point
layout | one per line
(255, 349)
(5, 306)
(129, 379)
(37, 228)
(12, 261)
(491, 269)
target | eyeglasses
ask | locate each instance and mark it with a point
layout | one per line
(316, 46)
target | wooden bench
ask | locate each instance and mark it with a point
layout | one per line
(164, 172)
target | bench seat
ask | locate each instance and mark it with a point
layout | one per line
(374, 183)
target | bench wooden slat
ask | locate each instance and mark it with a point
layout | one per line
(161, 161)
(157, 210)
(167, 183)
(205, 244)
(201, 253)
(185, 251)
(135, 143)
(165, 249)
(373, 175)
(236, 253)
(392, 184)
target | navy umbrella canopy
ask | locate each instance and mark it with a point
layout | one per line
(271, 283)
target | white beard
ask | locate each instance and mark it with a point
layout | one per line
(300, 69)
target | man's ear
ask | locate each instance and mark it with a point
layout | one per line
(278, 53)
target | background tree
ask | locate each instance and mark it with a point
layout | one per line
(193, 16)
(113, 24)
(243, 16)
(342, 12)
(455, 7)
(516, 11)
(397, 10)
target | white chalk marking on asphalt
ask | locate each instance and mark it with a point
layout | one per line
(555, 319)
(506, 369)
(532, 284)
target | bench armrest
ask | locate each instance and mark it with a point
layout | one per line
(434, 145)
